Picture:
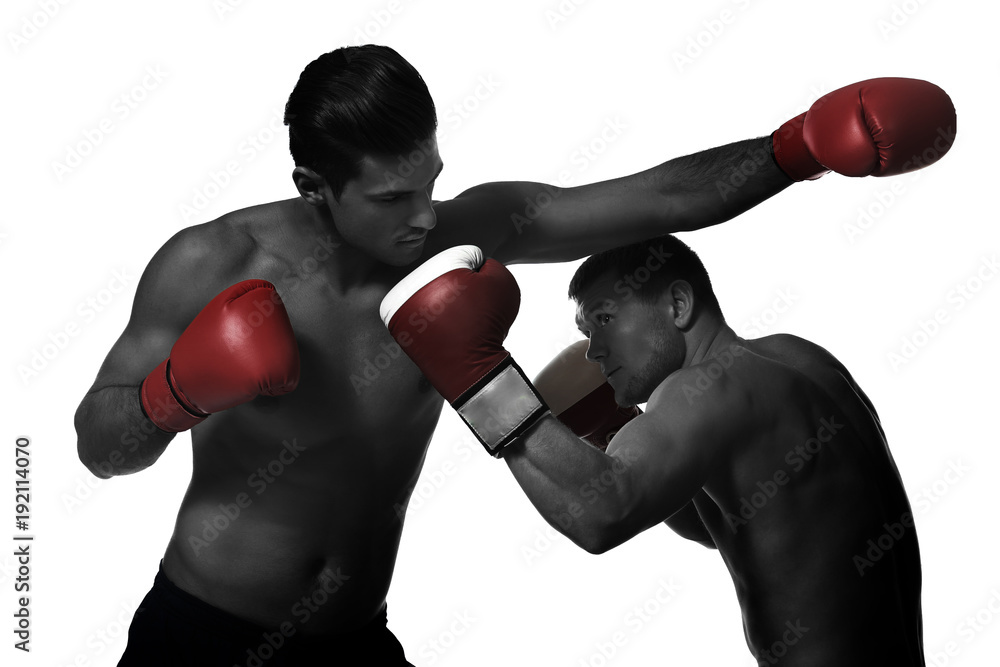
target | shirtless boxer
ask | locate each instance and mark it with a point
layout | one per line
(277, 566)
(765, 449)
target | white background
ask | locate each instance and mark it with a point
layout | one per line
(473, 547)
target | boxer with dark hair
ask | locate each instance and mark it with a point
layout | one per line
(285, 542)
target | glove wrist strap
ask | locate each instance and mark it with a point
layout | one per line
(791, 154)
(501, 406)
(163, 406)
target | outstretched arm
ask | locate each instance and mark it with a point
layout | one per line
(523, 222)
(878, 127)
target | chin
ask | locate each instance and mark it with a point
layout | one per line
(627, 398)
(402, 256)
(636, 392)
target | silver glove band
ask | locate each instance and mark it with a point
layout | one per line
(501, 407)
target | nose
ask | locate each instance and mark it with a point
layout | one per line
(596, 351)
(424, 217)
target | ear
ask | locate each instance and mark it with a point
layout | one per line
(311, 186)
(680, 297)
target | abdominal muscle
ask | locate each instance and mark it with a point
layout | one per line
(301, 530)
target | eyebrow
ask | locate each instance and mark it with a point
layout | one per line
(393, 192)
(580, 321)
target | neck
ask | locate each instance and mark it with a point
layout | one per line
(711, 338)
(344, 265)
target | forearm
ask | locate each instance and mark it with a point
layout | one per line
(718, 184)
(114, 436)
(577, 488)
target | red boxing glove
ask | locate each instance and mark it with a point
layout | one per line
(580, 397)
(239, 346)
(878, 127)
(451, 316)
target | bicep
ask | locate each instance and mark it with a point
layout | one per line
(169, 294)
(670, 452)
(524, 222)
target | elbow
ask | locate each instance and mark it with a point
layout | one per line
(598, 546)
(610, 523)
(100, 469)
(601, 538)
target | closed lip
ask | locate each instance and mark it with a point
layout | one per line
(608, 375)
(414, 239)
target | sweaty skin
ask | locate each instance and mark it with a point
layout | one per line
(769, 451)
(319, 475)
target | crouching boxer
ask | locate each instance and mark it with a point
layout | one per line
(778, 460)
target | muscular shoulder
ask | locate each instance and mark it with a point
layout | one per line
(800, 356)
(711, 400)
(222, 246)
(791, 349)
(480, 216)
(195, 264)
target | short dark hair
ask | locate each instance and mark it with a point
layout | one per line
(647, 269)
(357, 101)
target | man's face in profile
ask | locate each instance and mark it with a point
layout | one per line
(635, 342)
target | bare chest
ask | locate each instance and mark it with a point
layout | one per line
(357, 387)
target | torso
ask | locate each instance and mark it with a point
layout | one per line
(807, 485)
(320, 476)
